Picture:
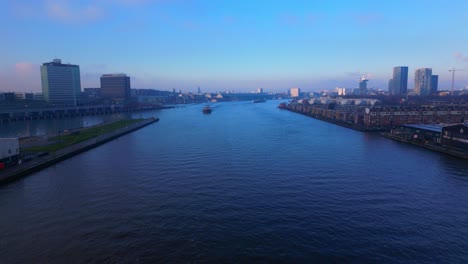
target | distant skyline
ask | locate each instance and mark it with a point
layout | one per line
(233, 45)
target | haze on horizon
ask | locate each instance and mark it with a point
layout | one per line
(233, 45)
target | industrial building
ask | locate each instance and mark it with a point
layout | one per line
(60, 82)
(447, 138)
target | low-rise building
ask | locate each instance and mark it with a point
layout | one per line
(9, 151)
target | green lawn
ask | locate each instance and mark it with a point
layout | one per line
(84, 134)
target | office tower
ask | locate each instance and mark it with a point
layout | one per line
(115, 86)
(422, 81)
(434, 84)
(363, 85)
(390, 87)
(260, 90)
(60, 82)
(398, 85)
(295, 92)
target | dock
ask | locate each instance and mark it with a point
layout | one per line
(37, 164)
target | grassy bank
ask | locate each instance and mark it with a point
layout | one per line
(62, 141)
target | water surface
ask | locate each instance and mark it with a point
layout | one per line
(248, 182)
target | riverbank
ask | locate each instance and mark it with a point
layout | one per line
(337, 122)
(431, 146)
(58, 155)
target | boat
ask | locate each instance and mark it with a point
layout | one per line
(258, 101)
(206, 109)
(282, 106)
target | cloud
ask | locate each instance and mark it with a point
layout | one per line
(20, 77)
(25, 67)
(460, 57)
(65, 11)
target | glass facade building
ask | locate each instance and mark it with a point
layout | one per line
(398, 85)
(422, 81)
(60, 82)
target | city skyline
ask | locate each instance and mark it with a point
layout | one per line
(226, 46)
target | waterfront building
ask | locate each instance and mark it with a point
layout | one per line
(295, 92)
(422, 81)
(260, 90)
(115, 86)
(398, 85)
(60, 82)
(434, 83)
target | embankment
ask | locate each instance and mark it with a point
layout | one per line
(27, 168)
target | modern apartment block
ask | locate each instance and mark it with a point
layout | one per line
(422, 81)
(60, 82)
(434, 84)
(398, 85)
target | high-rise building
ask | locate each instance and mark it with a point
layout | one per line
(422, 81)
(398, 85)
(390, 87)
(60, 82)
(260, 90)
(363, 85)
(116, 86)
(434, 83)
(295, 92)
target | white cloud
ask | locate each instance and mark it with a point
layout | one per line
(20, 77)
(460, 57)
(66, 11)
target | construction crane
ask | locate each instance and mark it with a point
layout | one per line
(453, 70)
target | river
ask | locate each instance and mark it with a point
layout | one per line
(248, 182)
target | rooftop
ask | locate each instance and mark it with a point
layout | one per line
(432, 127)
(114, 75)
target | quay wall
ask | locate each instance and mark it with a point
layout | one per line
(27, 168)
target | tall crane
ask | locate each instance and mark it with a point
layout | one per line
(453, 70)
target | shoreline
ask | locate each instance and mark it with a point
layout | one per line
(26, 168)
(339, 123)
(441, 149)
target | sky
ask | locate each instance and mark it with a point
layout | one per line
(233, 45)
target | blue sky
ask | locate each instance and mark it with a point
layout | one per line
(233, 45)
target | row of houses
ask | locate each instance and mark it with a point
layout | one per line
(383, 117)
